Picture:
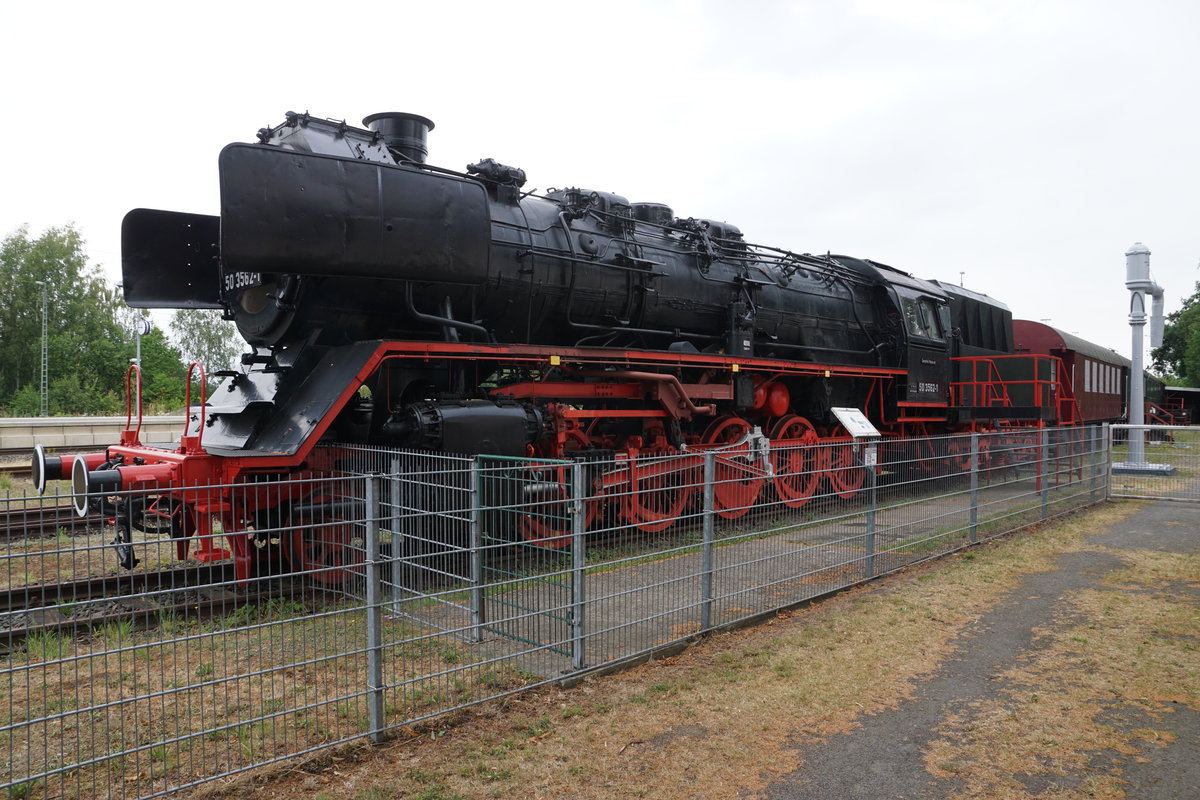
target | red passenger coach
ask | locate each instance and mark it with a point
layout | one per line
(1094, 375)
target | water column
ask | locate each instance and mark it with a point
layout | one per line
(1138, 282)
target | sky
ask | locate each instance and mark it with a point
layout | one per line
(1018, 147)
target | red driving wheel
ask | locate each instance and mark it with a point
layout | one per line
(796, 461)
(737, 483)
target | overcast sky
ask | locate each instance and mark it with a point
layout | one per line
(1025, 145)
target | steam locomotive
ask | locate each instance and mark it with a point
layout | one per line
(391, 302)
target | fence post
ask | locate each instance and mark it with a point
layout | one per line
(869, 456)
(1044, 467)
(1108, 456)
(974, 487)
(395, 588)
(578, 567)
(1093, 460)
(374, 564)
(706, 552)
(478, 617)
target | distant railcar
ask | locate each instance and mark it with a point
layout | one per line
(1096, 377)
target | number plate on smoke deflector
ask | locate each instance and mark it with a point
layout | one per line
(241, 280)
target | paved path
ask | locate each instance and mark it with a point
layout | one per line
(884, 757)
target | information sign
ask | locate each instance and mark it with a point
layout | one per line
(856, 423)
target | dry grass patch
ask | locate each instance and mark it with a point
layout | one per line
(721, 718)
(1091, 695)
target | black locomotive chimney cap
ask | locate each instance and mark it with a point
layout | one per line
(403, 132)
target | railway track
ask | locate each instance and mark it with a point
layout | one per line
(75, 607)
(112, 587)
(13, 468)
(43, 521)
(80, 608)
(141, 599)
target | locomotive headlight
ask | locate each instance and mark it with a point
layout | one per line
(264, 307)
(254, 299)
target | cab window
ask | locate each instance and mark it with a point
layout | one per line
(922, 318)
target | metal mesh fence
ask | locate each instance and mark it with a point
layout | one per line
(397, 586)
(1156, 462)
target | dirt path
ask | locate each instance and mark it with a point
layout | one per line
(1028, 708)
(1062, 663)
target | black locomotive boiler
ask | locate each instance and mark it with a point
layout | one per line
(331, 236)
(388, 301)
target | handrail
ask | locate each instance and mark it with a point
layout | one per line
(1055, 392)
(130, 437)
(1159, 412)
(191, 444)
(989, 391)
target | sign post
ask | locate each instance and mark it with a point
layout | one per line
(864, 433)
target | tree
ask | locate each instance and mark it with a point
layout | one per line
(1180, 350)
(86, 358)
(162, 366)
(162, 373)
(204, 337)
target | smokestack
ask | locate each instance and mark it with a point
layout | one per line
(404, 133)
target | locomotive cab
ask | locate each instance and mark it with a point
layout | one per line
(921, 309)
(927, 326)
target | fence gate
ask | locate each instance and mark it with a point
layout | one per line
(528, 566)
(1157, 462)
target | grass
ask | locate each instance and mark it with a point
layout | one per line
(692, 719)
(950, 537)
(302, 658)
(297, 666)
(1183, 454)
(22, 791)
(47, 645)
